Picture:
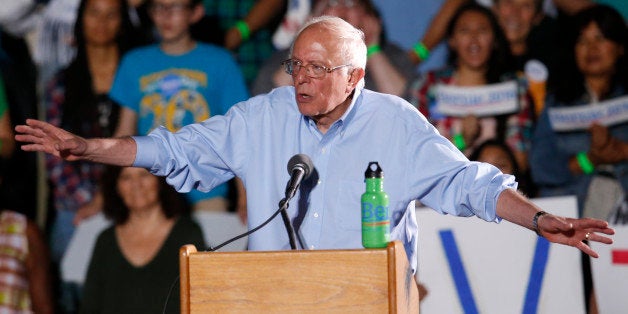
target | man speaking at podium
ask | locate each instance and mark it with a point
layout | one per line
(328, 115)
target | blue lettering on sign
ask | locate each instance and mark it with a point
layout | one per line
(535, 281)
(465, 295)
(459, 100)
(502, 95)
(457, 271)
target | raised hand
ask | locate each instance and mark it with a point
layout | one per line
(605, 149)
(41, 136)
(372, 28)
(471, 129)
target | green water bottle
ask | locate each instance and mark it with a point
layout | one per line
(375, 220)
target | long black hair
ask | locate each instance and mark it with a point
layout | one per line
(568, 84)
(79, 109)
(500, 61)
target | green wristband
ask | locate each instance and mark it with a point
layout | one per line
(459, 141)
(585, 164)
(373, 49)
(421, 51)
(243, 28)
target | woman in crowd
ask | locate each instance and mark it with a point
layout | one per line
(77, 99)
(596, 70)
(589, 162)
(479, 56)
(136, 261)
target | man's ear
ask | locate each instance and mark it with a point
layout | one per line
(354, 78)
(197, 13)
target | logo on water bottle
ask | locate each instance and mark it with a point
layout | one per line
(374, 215)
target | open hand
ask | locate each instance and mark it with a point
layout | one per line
(40, 136)
(574, 232)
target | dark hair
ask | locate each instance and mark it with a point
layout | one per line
(501, 60)
(502, 146)
(172, 203)
(370, 8)
(568, 85)
(523, 177)
(538, 5)
(80, 109)
(193, 3)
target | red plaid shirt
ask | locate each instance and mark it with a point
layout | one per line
(519, 125)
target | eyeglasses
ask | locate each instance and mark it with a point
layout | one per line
(159, 8)
(312, 70)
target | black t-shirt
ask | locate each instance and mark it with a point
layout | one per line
(113, 285)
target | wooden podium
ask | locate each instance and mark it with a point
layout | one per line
(323, 281)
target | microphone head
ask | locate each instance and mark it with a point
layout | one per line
(300, 161)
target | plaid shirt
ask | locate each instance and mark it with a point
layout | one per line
(252, 53)
(519, 125)
(73, 183)
(14, 292)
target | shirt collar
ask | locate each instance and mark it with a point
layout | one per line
(349, 113)
(345, 118)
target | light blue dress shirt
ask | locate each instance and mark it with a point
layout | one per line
(256, 138)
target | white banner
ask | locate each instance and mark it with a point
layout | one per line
(472, 266)
(609, 112)
(75, 261)
(480, 101)
(610, 273)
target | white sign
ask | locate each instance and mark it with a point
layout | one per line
(219, 227)
(480, 101)
(75, 261)
(469, 265)
(609, 112)
(610, 273)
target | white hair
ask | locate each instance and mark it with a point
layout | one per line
(350, 40)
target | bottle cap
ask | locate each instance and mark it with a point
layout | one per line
(373, 170)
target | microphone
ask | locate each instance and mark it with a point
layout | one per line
(299, 167)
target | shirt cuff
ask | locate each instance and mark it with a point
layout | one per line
(507, 182)
(146, 151)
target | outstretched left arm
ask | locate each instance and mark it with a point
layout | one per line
(517, 209)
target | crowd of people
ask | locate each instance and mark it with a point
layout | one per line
(520, 81)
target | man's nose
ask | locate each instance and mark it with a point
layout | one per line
(300, 75)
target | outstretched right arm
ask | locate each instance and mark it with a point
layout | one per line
(40, 136)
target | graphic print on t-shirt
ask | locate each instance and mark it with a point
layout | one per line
(172, 98)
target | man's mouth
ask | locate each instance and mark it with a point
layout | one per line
(303, 96)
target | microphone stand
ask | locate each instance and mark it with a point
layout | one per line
(283, 208)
